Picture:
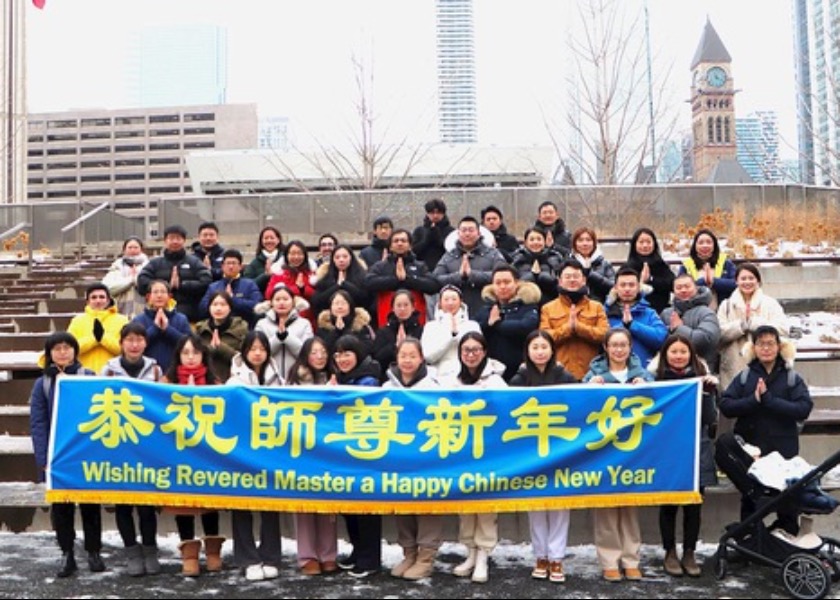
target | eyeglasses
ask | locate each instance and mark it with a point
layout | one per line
(472, 351)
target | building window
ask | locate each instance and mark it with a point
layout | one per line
(60, 165)
(127, 134)
(194, 145)
(130, 192)
(164, 119)
(60, 151)
(130, 121)
(137, 148)
(129, 176)
(94, 164)
(62, 194)
(174, 146)
(62, 124)
(199, 117)
(104, 122)
(96, 178)
(101, 135)
(95, 150)
(130, 162)
(164, 161)
(199, 130)
(163, 132)
(169, 175)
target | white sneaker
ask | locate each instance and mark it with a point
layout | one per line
(255, 573)
(270, 572)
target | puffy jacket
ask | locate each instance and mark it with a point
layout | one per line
(646, 327)
(193, 275)
(161, 342)
(382, 279)
(214, 255)
(575, 348)
(285, 348)
(548, 262)
(424, 379)
(94, 354)
(232, 333)
(246, 296)
(121, 281)
(358, 325)
(440, 346)
(600, 365)
(150, 371)
(700, 324)
(242, 374)
(600, 274)
(482, 259)
(385, 341)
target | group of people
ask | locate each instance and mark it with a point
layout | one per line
(440, 306)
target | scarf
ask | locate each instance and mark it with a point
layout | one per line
(131, 368)
(272, 256)
(575, 296)
(199, 374)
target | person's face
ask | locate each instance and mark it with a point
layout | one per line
(208, 237)
(269, 240)
(346, 361)
(618, 349)
(158, 296)
(318, 357)
(132, 248)
(174, 242)
(627, 287)
(535, 242)
(492, 221)
(450, 302)
(341, 259)
(644, 244)
(340, 307)
(766, 348)
(326, 246)
(539, 351)
(468, 234)
(383, 231)
(296, 257)
(98, 300)
(62, 355)
(584, 244)
(704, 245)
(399, 244)
(678, 355)
(257, 354)
(403, 306)
(282, 303)
(190, 355)
(684, 288)
(409, 360)
(747, 283)
(548, 215)
(231, 267)
(133, 346)
(219, 309)
(572, 279)
(436, 216)
(472, 353)
(505, 286)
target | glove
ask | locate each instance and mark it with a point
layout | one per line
(98, 330)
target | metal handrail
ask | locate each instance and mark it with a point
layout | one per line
(76, 223)
(14, 231)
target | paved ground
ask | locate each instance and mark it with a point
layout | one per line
(28, 562)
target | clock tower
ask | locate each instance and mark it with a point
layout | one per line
(712, 106)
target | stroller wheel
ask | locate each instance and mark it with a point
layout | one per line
(805, 577)
(720, 563)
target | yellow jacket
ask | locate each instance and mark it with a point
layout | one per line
(575, 349)
(94, 354)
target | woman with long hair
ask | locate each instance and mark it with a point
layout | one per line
(403, 321)
(297, 272)
(646, 259)
(344, 317)
(222, 332)
(709, 266)
(285, 329)
(343, 271)
(121, 278)
(269, 252)
(600, 273)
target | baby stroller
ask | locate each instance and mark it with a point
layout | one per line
(808, 563)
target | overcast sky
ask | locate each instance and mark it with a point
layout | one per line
(293, 58)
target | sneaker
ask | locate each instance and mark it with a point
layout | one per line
(611, 575)
(346, 562)
(633, 574)
(254, 573)
(555, 572)
(270, 572)
(540, 571)
(311, 568)
(360, 573)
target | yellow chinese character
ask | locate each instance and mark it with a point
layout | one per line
(195, 421)
(274, 423)
(117, 421)
(541, 422)
(372, 427)
(450, 426)
(611, 421)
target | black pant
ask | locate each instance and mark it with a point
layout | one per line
(668, 525)
(63, 515)
(365, 533)
(186, 525)
(147, 517)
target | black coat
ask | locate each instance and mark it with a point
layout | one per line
(194, 276)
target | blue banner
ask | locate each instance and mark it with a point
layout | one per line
(373, 450)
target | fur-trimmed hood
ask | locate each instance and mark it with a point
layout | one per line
(361, 319)
(787, 351)
(526, 292)
(322, 270)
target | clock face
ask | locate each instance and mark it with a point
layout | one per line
(716, 77)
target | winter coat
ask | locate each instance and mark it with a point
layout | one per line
(121, 281)
(246, 296)
(505, 242)
(327, 285)
(519, 317)
(490, 378)
(242, 374)
(381, 279)
(554, 374)
(427, 241)
(367, 372)
(575, 348)
(424, 379)
(150, 371)
(359, 326)
(285, 349)
(773, 423)
(548, 261)
(288, 277)
(214, 254)
(440, 346)
(600, 365)
(646, 327)
(373, 254)
(482, 260)
(562, 237)
(232, 333)
(661, 279)
(255, 271)
(41, 404)
(723, 283)
(600, 274)
(94, 353)
(162, 342)
(735, 330)
(193, 275)
(700, 324)
(385, 341)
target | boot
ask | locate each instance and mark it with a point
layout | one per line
(151, 564)
(213, 552)
(480, 574)
(189, 558)
(424, 565)
(672, 563)
(465, 569)
(689, 563)
(136, 566)
(68, 565)
(95, 562)
(409, 557)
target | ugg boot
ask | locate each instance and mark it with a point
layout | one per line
(465, 569)
(480, 572)
(135, 566)
(424, 564)
(150, 560)
(213, 552)
(689, 563)
(672, 563)
(189, 558)
(409, 557)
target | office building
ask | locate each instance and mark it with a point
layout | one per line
(757, 137)
(457, 112)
